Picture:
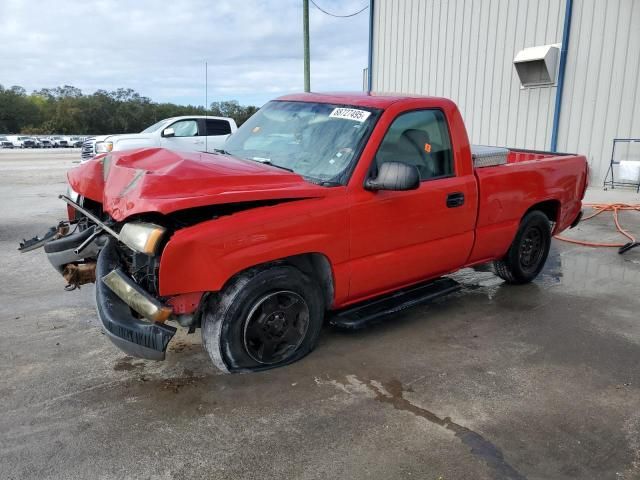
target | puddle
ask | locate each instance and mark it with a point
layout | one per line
(577, 270)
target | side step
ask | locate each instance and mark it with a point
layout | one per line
(372, 311)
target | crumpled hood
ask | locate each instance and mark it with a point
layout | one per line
(159, 180)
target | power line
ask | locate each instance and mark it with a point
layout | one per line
(338, 16)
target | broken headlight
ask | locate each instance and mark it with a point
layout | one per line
(142, 237)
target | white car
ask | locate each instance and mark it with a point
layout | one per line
(44, 142)
(58, 141)
(189, 133)
(20, 141)
(5, 142)
(73, 142)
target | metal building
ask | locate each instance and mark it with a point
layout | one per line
(575, 93)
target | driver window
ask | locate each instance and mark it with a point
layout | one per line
(185, 128)
(419, 138)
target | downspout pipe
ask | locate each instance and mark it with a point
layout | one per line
(370, 59)
(566, 32)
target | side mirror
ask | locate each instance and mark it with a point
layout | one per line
(394, 176)
(168, 132)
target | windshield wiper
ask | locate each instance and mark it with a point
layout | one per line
(270, 163)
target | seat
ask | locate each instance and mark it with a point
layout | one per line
(409, 149)
(435, 158)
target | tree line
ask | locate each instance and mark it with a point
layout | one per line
(66, 110)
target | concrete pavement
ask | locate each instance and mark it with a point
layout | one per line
(540, 381)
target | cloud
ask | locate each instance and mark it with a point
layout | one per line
(253, 47)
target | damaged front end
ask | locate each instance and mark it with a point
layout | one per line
(123, 259)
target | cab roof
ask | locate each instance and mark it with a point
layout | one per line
(362, 99)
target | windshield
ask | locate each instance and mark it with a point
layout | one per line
(154, 127)
(316, 140)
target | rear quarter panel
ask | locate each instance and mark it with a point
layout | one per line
(506, 192)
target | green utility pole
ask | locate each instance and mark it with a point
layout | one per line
(305, 33)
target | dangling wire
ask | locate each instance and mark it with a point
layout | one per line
(338, 16)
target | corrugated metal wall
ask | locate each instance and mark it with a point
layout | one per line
(601, 97)
(464, 50)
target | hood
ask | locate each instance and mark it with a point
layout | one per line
(129, 141)
(165, 181)
(128, 136)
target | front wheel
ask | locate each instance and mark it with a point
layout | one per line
(528, 252)
(264, 318)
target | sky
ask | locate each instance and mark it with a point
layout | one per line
(253, 47)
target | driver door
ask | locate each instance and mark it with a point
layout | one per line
(182, 135)
(403, 237)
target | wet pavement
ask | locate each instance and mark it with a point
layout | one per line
(540, 381)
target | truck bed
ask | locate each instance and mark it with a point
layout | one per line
(521, 155)
(487, 156)
(554, 180)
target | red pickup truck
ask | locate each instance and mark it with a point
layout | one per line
(339, 206)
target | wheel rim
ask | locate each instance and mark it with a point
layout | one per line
(532, 249)
(276, 326)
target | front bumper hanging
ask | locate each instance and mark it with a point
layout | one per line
(135, 336)
(118, 296)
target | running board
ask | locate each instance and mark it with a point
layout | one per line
(372, 311)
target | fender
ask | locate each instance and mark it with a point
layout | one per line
(205, 256)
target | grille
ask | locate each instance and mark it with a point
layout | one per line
(88, 150)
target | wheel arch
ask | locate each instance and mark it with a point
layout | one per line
(551, 208)
(314, 264)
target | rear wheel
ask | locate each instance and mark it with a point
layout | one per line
(264, 318)
(528, 252)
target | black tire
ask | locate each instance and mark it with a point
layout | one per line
(261, 307)
(528, 252)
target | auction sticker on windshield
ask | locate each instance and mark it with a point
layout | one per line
(350, 114)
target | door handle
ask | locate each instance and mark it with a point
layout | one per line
(455, 199)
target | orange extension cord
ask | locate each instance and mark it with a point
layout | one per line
(606, 207)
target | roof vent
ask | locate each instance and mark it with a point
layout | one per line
(537, 66)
